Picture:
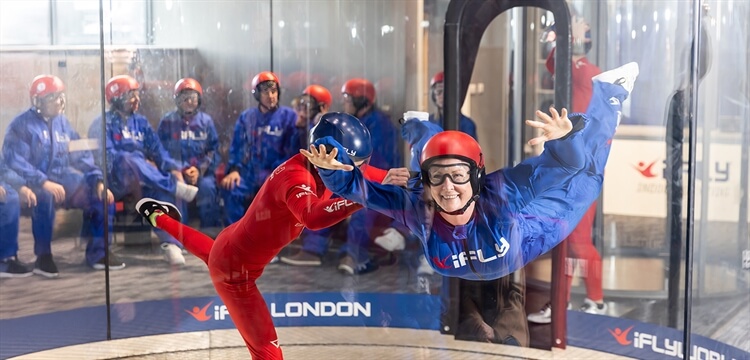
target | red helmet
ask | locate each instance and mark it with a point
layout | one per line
(44, 85)
(187, 84)
(438, 78)
(358, 87)
(119, 86)
(262, 77)
(455, 144)
(319, 93)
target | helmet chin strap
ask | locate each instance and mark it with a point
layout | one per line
(260, 105)
(459, 211)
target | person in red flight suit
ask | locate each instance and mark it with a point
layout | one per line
(580, 244)
(291, 199)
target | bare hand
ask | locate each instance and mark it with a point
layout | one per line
(178, 175)
(319, 158)
(396, 176)
(100, 191)
(231, 180)
(553, 127)
(191, 175)
(27, 196)
(57, 191)
(2, 194)
(578, 29)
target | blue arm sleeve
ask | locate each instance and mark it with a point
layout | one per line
(9, 177)
(156, 151)
(416, 133)
(561, 160)
(17, 150)
(389, 200)
(164, 134)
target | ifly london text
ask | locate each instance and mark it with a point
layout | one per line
(309, 309)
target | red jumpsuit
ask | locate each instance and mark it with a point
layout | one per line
(292, 198)
(580, 244)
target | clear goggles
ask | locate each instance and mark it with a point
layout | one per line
(459, 173)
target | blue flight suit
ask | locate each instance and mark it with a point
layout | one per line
(10, 211)
(260, 143)
(130, 143)
(38, 150)
(521, 213)
(192, 141)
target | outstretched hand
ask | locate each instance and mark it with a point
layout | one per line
(323, 160)
(553, 126)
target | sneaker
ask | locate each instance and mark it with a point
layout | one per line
(624, 75)
(544, 316)
(423, 285)
(348, 266)
(12, 268)
(186, 192)
(302, 258)
(424, 268)
(591, 307)
(114, 263)
(147, 206)
(173, 254)
(45, 266)
(391, 240)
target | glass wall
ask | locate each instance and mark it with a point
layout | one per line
(662, 198)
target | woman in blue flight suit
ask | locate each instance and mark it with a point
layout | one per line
(479, 227)
(189, 135)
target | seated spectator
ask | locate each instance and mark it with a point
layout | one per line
(264, 137)
(36, 147)
(189, 135)
(437, 87)
(314, 102)
(359, 100)
(137, 164)
(10, 203)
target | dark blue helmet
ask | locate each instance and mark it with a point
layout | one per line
(351, 133)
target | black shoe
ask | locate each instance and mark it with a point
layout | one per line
(12, 268)
(349, 266)
(114, 263)
(510, 340)
(45, 266)
(147, 206)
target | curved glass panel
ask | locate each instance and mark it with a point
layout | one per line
(201, 103)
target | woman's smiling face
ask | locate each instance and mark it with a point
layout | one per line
(450, 185)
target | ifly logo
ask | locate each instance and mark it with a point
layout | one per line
(200, 314)
(338, 205)
(461, 259)
(646, 169)
(621, 336)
